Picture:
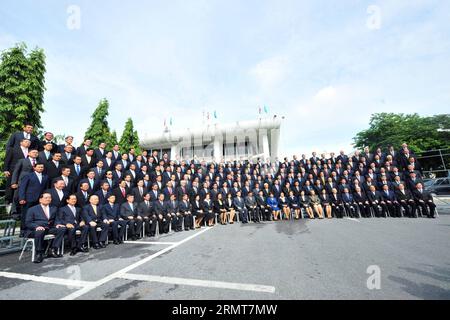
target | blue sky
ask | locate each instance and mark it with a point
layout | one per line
(320, 64)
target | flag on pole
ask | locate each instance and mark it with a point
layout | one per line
(165, 122)
(215, 114)
(266, 109)
(171, 121)
(259, 110)
(207, 116)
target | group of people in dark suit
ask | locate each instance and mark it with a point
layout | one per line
(91, 194)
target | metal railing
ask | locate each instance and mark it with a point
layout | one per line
(435, 162)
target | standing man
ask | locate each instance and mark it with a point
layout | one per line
(26, 133)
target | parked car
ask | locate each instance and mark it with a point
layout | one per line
(440, 187)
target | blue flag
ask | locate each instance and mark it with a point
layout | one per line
(266, 109)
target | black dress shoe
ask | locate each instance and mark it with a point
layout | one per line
(39, 258)
(84, 249)
(52, 254)
(192, 228)
(116, 242)
(74, 251)
(133, 238)
(102, 245)
(97, 246)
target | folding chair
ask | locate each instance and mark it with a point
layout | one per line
(31, 241)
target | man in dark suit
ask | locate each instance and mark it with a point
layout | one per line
(41, 220)
(71, 217)
(93, 217)
(111, 215)
(393, 206)
(185, 209)
(175, 215)
(27, 133)
(93, 183)
(14, 155)
(59, 196)
(69, 186)
(108, 161)
(139, 191)
(48, 139)
(77, 171)
(239, 205)
(361, 201)
(31, 187)
(100, 170)
(83, 195)
(100, 152)
(160, 210)
(116, 153)
(53, 167)
(88, 160)
(129, 213)
(81, 151)
(67, 155)
(46, 154)
(424, 200)
(103, 193)
(68, 141)
(145, 210)
(121, 193)
(376, 202)
(406, 200)
(23, 167)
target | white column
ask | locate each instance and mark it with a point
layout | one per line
(274, 142)
(174, 150)
(265, 144)
(218, 147)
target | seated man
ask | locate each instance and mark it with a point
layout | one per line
(160, 210)
(72, 219)
(361, 201)
(186, 210)
(349, 203)
(42, 220)
(390, 199)
(175, 215)
(376, 202)
(92, 216)
(250, 204)
(145, 210)
(239, 205)
(406, 200)
(424, 200)
(129, 212)
(111, 216)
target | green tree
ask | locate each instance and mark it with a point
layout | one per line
(420, 133)
(113, 139)
(130, 138)
(22, 87)
(99, 131)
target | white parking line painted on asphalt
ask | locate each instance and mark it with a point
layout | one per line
(48, 280)
(149, 242)
(200, 283)
(353, 219)
(121, 272)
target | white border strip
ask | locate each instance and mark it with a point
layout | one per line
(150, 242)
(120, 273)
(48, 280)
(200, 283)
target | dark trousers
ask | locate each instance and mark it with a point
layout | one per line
(177, 222)
(134, 227)
(243, 214)
(118, 228)
(39, 238)
(351, 209)
(72, 237)
(409, 207)
(149, 225)
(253, 214)
(379, 209)
(428, 208)
(188, 221)
(103, 234)
(338, 210)
(393, 209)
(23, 213)
(364, 210)
(164, 223)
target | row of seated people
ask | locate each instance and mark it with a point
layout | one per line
(135, 218)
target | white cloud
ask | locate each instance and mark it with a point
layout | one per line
(271, 71)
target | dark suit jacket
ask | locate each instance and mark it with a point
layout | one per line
(30, 188)
(125, 210)
(89, 214)
(37, 218)
(14, 140)
(145, 210)
(119, 196)
(102, 199)
(55, 198)
(111, 213)
(13, 155)
(52, 171)
(66, 215)
(81, 201)
(23, 167)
